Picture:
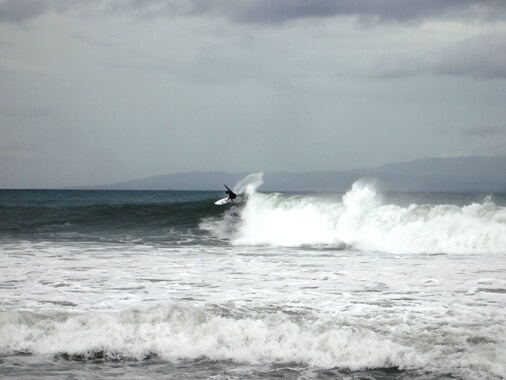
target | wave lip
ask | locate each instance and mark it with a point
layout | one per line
(363, 221)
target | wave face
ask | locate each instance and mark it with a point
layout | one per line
(361, 219)
(143, 216)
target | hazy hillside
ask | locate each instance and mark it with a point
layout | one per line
(435, 174)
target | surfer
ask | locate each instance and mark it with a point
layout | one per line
(231, 194)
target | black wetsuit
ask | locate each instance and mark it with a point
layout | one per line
(231, 194)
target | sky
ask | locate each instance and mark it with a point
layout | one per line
(97, 92)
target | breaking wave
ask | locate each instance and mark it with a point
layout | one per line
(180, 332)
(362, 220)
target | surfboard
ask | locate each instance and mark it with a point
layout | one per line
(222, 201)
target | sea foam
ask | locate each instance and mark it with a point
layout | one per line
(181, 332)
(361, 220)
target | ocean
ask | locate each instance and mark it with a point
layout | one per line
(165, 284)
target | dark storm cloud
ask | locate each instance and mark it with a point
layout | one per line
(280, 11)
(16, 11)
(271, 11)
(21, 10)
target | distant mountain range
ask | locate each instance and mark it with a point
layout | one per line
(463, 174)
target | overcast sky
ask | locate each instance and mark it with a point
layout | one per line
(97, 92)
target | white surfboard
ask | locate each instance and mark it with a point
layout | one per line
(222, 202)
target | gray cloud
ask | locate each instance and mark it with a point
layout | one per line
(31, 113)
(280, 11)
(104, 91)
(18, 152)
(18, 11)
(395, 10)
(481, 57)
(483, 131)
(486, 139)
(272, 12)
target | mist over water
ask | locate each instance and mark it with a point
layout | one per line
(166, 284)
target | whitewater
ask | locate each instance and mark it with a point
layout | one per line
(277, 285)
